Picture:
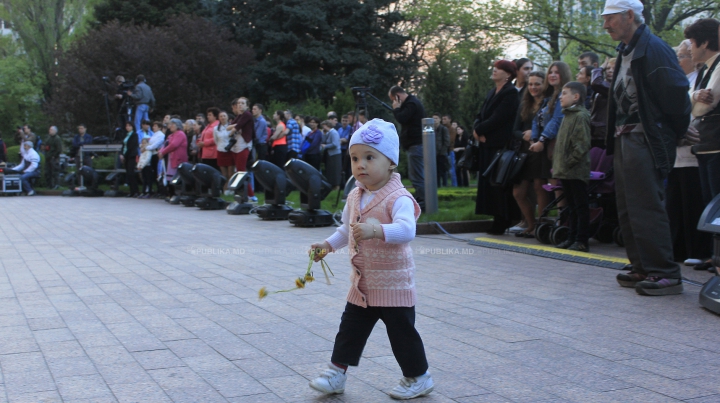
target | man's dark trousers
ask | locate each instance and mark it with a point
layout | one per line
(644, 222)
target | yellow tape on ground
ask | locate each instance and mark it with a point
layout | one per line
(547, 248)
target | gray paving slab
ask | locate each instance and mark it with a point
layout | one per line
(163, 308)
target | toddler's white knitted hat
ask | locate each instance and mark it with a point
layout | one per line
(380, 135)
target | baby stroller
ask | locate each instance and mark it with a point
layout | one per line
(603, 212)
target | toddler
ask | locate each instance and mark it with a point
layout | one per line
(378, 225)
(145, 168)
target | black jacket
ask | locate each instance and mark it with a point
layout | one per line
(663, 99)
(131, 148)
(410, 115)
(497, 117)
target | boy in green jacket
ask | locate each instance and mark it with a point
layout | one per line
(571, 164)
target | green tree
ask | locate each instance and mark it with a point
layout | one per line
(45, 28)
(20, 90)
(472, 95)
(313, 48)
(186, 74)
(151, 12)
(441, 90)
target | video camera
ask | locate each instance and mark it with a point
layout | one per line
(231, 144)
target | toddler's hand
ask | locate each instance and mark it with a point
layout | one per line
(321, 250)
(363, 231)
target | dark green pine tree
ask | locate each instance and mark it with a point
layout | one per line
(441, 91)
(151, 12)
(313, 48)
(477, 85)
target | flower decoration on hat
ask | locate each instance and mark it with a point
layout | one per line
(372, 134)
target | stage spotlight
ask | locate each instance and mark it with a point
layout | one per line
(177, 184)
(238, 185)
(710, 222)
(188, 193)
(117, 178)
(313, 189)
(91, 180)
(209, 184)
(275, 183)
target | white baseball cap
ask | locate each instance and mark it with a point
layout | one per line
(618, 6)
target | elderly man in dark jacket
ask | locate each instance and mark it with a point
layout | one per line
(648, 112)
(409, 112)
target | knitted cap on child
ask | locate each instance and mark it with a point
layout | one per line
(380, 135)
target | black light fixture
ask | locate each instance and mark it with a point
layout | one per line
(116, 178)
(209, 183)
(91, 180)
(710, 222)
(275, 183)
(313, 189)
(177, 183)
(238, 185)
(188, 193)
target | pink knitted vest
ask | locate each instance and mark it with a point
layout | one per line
(382, 274)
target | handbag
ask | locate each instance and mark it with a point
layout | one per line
(504, 167)
(304, 146)
(470, 159)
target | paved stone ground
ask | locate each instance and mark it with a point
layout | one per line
(106, 300)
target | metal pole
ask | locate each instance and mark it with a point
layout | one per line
(429, 163)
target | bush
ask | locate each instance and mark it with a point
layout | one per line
(190, 64)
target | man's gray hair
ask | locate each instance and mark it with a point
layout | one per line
(29, 143)
(191, 122)
(683, 45)
(639, 19)
(54, 128)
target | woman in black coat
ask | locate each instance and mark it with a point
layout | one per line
(493, 129)
(129, 158)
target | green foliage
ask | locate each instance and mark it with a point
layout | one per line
(13, 154)
(478, 83)
(21, 91)
(151, 12)
(311, 107)
(185, 73)
(343, 102)
(441, 91)
(273, 106)
(45, 28)
(313, 48)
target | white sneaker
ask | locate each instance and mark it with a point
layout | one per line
(517, 228)
(692, 262)
(253, 199)
(31, 193)
(229, 193)
(331, 381)
(410, 388)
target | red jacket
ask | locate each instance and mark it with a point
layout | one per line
(177, 148)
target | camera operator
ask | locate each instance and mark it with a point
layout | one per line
(123, 103)
(144, 101)
(30, 167)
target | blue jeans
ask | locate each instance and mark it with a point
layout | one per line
(453, 176)
(709, 166)
(416, 173)
(141, 113)
(25, 178)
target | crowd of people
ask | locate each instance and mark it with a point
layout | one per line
(652, 108)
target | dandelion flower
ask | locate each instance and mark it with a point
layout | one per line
(262, 293)
(299, 283)
(309, 278)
